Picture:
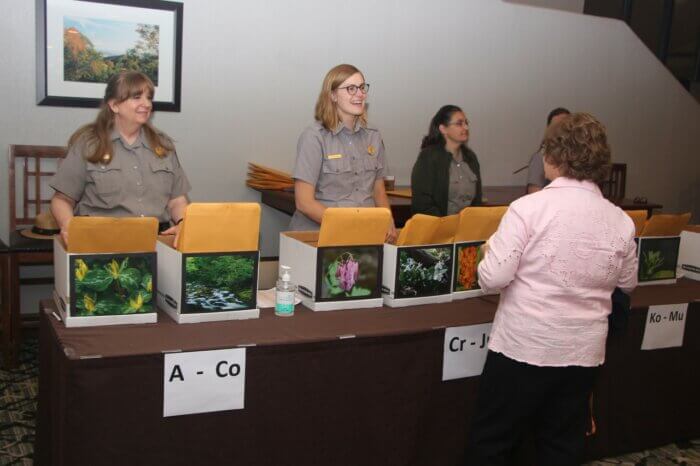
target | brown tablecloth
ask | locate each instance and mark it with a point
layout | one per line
(314, 398)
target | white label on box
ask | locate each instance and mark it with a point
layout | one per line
(465, 351)
(203, 381)
(665, 326)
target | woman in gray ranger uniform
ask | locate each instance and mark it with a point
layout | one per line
(340, 159)
(120, 165)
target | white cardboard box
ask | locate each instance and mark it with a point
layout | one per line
(658, 260)
(172, 289)
(398, 295)
(66, 298)
(298, 250)
(456, 295)
(689, 254)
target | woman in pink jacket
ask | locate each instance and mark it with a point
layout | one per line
(556, 258)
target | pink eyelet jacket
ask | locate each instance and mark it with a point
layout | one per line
(557, 256)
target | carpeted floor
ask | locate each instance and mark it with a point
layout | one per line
(18, 399)
(18, 396)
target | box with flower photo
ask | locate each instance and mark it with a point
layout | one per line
(658, 259)
(104, 288)
(417, 274)
(341, 277)
(467, 255)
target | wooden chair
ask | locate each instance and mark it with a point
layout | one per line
(30, 169)
(614, 186)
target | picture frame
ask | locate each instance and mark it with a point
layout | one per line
(81, 43)
(366, 282)
(129, 289)
(423, 271)
(206, 290)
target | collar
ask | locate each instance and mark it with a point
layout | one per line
(141, 139)
(358, 127)
(564, 182)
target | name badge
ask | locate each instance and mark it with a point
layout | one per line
(334, 156)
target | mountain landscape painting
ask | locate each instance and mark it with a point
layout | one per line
(95, 49)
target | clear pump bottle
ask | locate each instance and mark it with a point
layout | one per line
(284, 295)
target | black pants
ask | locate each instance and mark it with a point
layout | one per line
(514, 398)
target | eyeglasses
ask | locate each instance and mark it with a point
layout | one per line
(352, 89)
(464, 123)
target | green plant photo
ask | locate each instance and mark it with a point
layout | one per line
(112, 285)
(658, 258)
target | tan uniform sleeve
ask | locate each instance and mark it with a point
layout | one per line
(71, 175)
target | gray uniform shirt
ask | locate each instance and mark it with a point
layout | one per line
(535, 171)
(462, 188)
(341, 164)
(136, 183)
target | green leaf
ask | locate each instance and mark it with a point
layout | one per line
(147, 282)
(146, 296)
(97, 280)
(108, 307)
(331, 279)
(359, 291)
(124, 264)
(130, 279)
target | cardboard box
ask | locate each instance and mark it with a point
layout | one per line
(332, 277)
(658, 259)
(104, 288)
(197, 287)
(465, 283)
(689, 255)
(417, 274)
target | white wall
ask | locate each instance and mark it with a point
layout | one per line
(574, 6)
(251, 73)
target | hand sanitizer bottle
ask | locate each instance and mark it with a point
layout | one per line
(284, 296)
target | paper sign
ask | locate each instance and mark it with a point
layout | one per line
(203, 381)
(465, 351)
(665, 326)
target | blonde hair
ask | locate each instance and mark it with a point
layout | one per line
(578, 146)
(96, 135)
(326, 109)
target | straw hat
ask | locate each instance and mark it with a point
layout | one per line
(45, 227)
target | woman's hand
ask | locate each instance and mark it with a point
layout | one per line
(173, 230)
(391, 235)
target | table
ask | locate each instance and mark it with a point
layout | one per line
(313, 398)
(401, 206)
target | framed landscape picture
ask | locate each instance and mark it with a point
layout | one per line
(81, 44)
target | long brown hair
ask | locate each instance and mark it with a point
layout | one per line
(326, 109)
(96, 135)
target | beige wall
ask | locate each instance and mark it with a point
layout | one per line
(251, 73)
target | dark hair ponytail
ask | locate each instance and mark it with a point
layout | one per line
(442, 117)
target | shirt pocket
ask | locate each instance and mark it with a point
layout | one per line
(107, 179)
(336, 166)
(372, 164)
(163, 176)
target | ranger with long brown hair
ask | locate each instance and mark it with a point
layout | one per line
(120, 165)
